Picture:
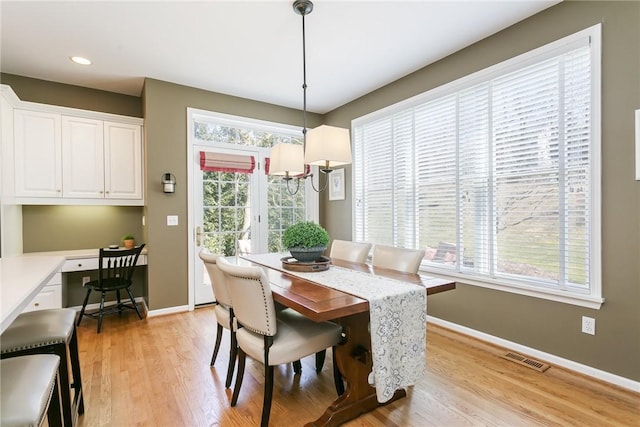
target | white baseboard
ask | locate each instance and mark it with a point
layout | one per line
(169, 310)
(547, 357)
(109, 303)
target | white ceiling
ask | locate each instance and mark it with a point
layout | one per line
(251, 49)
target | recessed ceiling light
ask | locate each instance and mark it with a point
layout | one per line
(80, 60)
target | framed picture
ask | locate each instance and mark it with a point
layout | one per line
(336, 185)
(638, 145)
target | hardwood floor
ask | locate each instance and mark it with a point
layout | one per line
(155, 372)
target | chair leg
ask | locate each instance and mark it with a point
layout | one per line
(233, 353)
(119, 303)
(75, 370)
(133, 301)
(268, 395)
(337, 376)
(54, 412)
(84, 305)
(100, 311)
(320, 356)
(297, 367)
(65, 388)
(216, 346)
(242, 357)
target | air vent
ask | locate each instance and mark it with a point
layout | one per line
(525, 361)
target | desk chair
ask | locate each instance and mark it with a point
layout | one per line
(223, 310)
(265, 338)
(29, 390)
(399, 259)
(350, 251)
(116, 267)
(49, 332)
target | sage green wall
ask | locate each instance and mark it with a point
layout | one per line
(165, 111)
(54, 228)
(46, 92)
(545, 325)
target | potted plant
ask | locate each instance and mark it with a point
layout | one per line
(305, 240)
(128, 241)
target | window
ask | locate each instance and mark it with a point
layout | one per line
(496, 175)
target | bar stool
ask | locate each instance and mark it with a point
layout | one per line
(49, 332)
(29, 390)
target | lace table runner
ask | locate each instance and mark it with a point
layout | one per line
(398, 318)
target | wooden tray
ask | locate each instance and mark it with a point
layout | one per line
(290, 263)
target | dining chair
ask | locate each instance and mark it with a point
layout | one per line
(223, 310)
(399, 259)
(115, 273)
(266, 338)
(350, 251)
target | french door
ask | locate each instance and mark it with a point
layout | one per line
(239, 210)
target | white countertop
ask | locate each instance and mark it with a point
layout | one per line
(21, 278)
(76, 253)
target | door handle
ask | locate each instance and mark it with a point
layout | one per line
(198, 235)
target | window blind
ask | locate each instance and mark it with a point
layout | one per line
(492, 176)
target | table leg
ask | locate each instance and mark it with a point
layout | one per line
(354, 361)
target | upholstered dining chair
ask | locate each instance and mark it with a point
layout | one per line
(350, 251)
(115, 273)
(400, 259)
(223, 310)
(266, 338)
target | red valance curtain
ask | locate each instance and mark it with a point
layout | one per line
(267, 163)
(219, 162)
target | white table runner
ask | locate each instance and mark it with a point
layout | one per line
(398, 319)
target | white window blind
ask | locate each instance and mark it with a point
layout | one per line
(492, 174)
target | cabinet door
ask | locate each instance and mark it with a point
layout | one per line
(82, 158)
(123, 161)
(38, 154)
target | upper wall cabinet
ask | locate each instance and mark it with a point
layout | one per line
(38, 154)
(69, 156)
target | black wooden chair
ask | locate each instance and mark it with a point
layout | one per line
(115, 274)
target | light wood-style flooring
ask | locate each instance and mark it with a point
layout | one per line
(155, 372)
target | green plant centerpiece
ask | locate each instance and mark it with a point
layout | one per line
(306, 241)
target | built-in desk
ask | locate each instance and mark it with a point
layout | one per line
(50, 296)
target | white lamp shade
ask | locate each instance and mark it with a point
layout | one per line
(328, 144)
(286, 158)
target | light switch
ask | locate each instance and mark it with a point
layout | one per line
(172, 220)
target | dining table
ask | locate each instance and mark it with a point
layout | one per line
(328, 298)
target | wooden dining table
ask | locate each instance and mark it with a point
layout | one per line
(353, 356)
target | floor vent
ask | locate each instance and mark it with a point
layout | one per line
(525, 361)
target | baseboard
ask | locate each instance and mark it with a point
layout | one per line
(96, 305)
(169, 310)
(623, 382)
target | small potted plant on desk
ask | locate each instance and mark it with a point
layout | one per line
(306, 241)
(128, 241)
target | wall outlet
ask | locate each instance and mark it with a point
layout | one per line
(85, 280)
(172, 220)
(588, 325)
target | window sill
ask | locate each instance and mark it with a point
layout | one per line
(587, 301)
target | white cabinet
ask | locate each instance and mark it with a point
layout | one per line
(49, 297)
(38, 154)
(122, 161)
(82, 158)
(66, 159)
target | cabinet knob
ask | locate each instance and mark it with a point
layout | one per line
(79, 265)
(37, 304)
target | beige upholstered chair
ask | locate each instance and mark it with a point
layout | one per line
(350, 251)
(265, 338)
(223, 310)
(400, 259)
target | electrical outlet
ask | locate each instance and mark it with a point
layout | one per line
(85, 280)
(588, 325)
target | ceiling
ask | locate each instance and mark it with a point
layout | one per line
(250, 49)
